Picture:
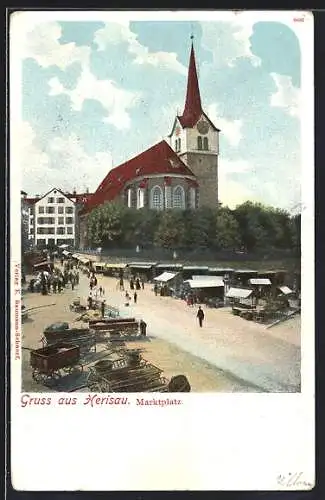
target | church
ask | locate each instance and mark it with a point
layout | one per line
(180, 172)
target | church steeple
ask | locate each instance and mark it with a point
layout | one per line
(193, 107)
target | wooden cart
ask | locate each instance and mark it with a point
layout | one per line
(50, 363)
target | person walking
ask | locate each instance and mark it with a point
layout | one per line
(142, 284)
(100, 290)
(200, 316)
(135, 297)
(102, 307)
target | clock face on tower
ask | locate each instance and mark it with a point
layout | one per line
(203, 127)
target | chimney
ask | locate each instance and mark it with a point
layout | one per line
(87, 190)
(74, 191)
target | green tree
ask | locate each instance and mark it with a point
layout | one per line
(171, 230)
(105, 225)
(227, 231)
(200, 228)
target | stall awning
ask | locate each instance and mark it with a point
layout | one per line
(75, 256)
(171, 266)
(260, 281)
(239, 293)
(115, 266)
(195, 268)
(206, 277)
(142, 265)
(285, 290)
(165, 277)
(63, 246)
(245, 271)
(65, 252)
(221, 270)
(44, 263)
(214, 282)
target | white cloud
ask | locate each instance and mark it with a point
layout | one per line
(116, 101)
(229, 41)
(232, 193)
(116, 33)
(286, 96)
(65, 165)
(43, 45)
(230, 129)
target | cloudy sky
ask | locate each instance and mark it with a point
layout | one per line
(97, 93)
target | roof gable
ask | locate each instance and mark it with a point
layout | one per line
(159, 159)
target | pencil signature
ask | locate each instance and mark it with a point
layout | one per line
(293, 480)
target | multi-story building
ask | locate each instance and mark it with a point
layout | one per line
(53, 218)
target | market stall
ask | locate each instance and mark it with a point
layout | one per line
(206, 289)
(166, 283)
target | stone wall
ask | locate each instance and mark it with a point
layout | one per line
(205, 168)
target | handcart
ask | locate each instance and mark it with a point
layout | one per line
(82, 337)
(129, 373)
(52, 362)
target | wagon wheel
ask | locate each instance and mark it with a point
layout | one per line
(37, 376)
(92, 382)
(52, 377)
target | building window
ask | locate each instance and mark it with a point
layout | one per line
(50, 210)
(40, 210)
(179, 198)
(140, 198)
(60, 210)
(60, 230)
(192, 196)
(205, 143)
(60, 200)
(50, 230)
(40, 220)
(69, 230)
(199, 142)
(50, 200)
(61, 220)
(69, 210)
(177, 145)
(69, 220)
(31, 230)
(157, 198)
(129, 198)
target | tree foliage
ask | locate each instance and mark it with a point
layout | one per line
(250, 227)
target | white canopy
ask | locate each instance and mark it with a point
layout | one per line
(260, 281)
(285, 290)
(165, 277)
(63, 246)
(65, 252)
(207, 277)
(239, 293)
(213, 282)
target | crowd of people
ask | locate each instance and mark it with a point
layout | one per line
(55, 280)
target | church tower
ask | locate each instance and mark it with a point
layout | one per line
(196, 140)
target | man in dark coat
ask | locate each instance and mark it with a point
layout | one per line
(102, 307)
(200, 316)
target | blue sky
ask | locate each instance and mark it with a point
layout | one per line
(97, 93)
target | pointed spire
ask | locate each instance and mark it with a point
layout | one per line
(193, 106)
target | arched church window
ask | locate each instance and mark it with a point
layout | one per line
(179, 198)
(157, 198)
(199, 142)
(176, 145)
(205, 143)
(179, 144)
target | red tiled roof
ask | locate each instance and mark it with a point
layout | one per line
(159, 159)
(193, 107)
